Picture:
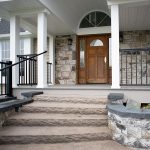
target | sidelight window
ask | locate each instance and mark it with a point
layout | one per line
(82, 53)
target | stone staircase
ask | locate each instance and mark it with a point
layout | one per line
(50, 120)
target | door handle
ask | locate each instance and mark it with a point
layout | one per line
(105, 59)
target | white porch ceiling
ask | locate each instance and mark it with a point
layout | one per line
(72, 11)
(135, 16)
(65, 15)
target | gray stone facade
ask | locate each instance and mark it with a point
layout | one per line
(135, 40)
(130, 131)
(65, 60)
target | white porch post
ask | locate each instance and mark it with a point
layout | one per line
(52, 57)
(115, 46)
(14, 46)
(42, 46)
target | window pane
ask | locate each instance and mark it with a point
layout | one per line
(96, 42)
(95, 19)
(82, 53)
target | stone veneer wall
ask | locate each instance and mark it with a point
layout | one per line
(130, 131)
(5, 115)
(135, 40)
(65, 60)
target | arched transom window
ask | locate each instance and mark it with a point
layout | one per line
(95, 19)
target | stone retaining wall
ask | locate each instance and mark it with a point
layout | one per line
(4, 116)
(65, 60)
(128, 131)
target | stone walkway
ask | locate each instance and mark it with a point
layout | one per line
(96, 145)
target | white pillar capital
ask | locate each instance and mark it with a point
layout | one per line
(14, 46)
(42, 46)
(115, 46)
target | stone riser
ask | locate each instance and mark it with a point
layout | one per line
(71, 100)
(55, 122)
(45, 139)
(65, 110)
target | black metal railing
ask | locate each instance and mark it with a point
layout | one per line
(135, 67)
(49, 71)
(27, 70)
(5, 79)
(6, 89)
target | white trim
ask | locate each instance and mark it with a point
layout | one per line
(22, 34)
(115, 46)
(115, 2)
(14, 46)
(42, 46)
(94, 30)
(52, 57)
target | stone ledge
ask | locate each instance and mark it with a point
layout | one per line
(31, 93)
(122, 111)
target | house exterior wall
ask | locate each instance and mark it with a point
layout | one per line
(65, 60)
(136, 40)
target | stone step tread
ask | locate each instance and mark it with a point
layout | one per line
(68, 98)
(49, 131)
(34, 116)
(92, 145)
(71, 99)
(65, 105)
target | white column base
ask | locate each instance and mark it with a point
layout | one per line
(115, 87)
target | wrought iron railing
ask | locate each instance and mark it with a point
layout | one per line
(49, 71)
(135, 67)
(27, 70)
(6, 71)
(5, 79)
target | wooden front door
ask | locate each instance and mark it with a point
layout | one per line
(97, 52)
(96, 60)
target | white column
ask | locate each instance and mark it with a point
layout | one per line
(115, 46)
(52, 57)
(14, 47)
(42, 46)
(28, 45)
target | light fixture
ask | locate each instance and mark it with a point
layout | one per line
(70, 41)
(121, 37)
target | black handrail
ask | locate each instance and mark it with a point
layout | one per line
(23, 61)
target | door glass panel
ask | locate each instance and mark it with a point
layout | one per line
(96, 42)
(82, 53)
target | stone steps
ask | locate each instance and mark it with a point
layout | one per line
(58, 120)
(45, 119)
(65, 108)
(29, 135)
(61, 99)
(92, 145)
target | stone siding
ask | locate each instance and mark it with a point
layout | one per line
(4, 116)
(136, 40)
(130, 131)
(65, 60)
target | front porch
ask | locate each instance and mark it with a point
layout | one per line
(62, 62)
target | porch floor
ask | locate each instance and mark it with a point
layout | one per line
(87, 87)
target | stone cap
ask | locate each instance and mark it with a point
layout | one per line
(31, 93)
(115, 96)
(121, 110)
